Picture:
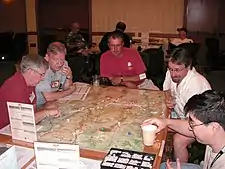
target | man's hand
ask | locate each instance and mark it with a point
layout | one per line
(170, 99)
(170, 103)
(53, 112)
(116, 80)
(130, 85)
(85, 52)
(160, 123)
(67, 71)
(72, 89)
(168, 164)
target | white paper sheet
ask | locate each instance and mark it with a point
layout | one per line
(80, 93)
(24, 155)
(8, 158)
(22, 121)
(6, 131)
(52, 155)
(83, 164)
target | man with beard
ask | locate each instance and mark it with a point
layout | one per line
(206, 123)
(183, 81)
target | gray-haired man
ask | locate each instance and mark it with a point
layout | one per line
(20, 88)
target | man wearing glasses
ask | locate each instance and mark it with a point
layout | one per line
(57, 82)
(20, 88)
(183, 81)
(124, 66)
(206, 123)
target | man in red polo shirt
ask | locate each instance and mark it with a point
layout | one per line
(124, 66)
(20, 88)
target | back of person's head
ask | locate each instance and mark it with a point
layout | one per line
(181, 56)
(116, 35)
(33, 62)
(121, 26)
(56, 47)
(207, 107)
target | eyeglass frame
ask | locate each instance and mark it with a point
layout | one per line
(40, 74)
(192, 126)
(176, 70)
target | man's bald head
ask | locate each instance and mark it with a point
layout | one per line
(75, 27)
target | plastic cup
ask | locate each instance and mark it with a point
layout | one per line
(148, 133)
(96, 80)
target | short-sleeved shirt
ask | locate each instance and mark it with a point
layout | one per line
(178, 41)
(130, 64)
(209, 156)
(53, 81)
(77, 40)
(16, 90)
(194, 83)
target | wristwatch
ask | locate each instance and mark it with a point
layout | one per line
(121, 79)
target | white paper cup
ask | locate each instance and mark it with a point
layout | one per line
(148, 133)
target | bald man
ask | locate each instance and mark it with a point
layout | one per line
(75, 42)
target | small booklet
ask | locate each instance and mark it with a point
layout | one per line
(22, 121)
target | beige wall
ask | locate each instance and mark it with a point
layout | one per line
(158, 16)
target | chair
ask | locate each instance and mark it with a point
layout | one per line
(212, 55)
(19, 47)
(192, 48)
(7, 69)
(155, 67)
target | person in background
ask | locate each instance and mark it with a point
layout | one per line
(182, 37)
(120, 27)
(75, 43)
(183, 82)
(124, 66)
(57, 82)
(205, 123)
(20, 88)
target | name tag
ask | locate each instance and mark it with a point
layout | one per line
(55, 84)
(32, 97)
(142, 76)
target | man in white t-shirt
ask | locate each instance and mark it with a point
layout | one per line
(206, 123)
(182, 37)
(183, 81)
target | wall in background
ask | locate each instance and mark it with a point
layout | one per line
(158, 16)
(140, 16)
(13, 16)
(61, 13)
(203, 15)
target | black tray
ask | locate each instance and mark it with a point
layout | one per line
(126, 159)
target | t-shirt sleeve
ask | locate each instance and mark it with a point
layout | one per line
(197, 87)
(140, 66)
(167, 82)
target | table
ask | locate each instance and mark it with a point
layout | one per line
(107, 115)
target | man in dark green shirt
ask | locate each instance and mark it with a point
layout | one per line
(75, 42)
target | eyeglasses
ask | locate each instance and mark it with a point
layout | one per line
(40, 74)
(193, 125)
(176, 70)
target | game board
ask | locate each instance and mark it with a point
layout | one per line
(108, 117)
